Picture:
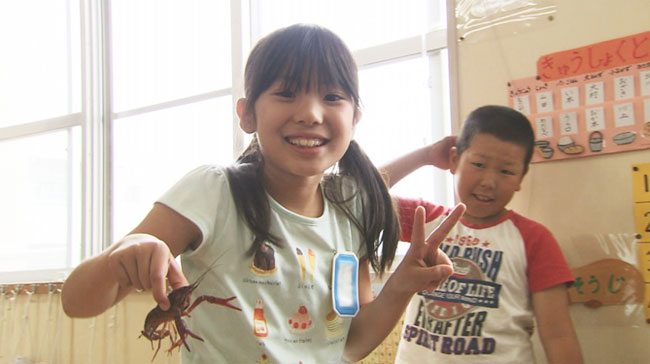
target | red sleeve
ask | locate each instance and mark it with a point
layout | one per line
(546, 264)
(407, 208)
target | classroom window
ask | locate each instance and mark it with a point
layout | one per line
(400, 48)
(171, 98)
(105, 104)
(40, 136)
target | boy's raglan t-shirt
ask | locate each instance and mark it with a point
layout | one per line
(284, 292)
(483, 312)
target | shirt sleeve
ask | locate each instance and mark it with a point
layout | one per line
(407, 208)
(546, 264)
(199, 195)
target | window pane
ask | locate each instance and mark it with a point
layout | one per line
(164, 50)
(40, 200)
(361, 23)
(152, 151)
(403, 112)
(40, 60)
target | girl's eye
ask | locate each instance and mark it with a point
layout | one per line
(478, 164)
(285, 93)
(505, 171)
(333, 97)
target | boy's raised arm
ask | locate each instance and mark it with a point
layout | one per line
(436, 154)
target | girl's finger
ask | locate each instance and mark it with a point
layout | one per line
(144, 266)
(431, 277)
(417, 234)
(132, 271)
(175, 276)
(120, 273)
(440, 233)
(161, 261)
(440, 273)
(129, 266)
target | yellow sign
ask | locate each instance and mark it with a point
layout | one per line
(641, 192)
(642, 221)
(641, 182)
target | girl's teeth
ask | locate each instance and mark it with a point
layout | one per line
(306, 142)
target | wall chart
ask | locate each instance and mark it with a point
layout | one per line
(588, 101)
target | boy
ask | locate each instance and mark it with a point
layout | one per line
(508, 270)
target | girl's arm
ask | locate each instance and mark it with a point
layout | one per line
(436, 154)
(424, 267)
(551, 307)
(141, 260)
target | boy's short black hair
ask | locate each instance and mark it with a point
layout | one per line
(504, 123)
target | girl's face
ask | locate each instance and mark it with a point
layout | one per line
(487, 174)
(301, 133)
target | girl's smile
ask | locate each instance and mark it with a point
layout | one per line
(306, 142)
(301, 133)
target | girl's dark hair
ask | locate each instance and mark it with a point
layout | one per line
(502, 122)
(299, 55)
(295, 54)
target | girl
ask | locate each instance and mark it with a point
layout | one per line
(267, 229)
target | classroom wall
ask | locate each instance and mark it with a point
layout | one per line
(586, 202)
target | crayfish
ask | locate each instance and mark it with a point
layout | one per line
(158, 322)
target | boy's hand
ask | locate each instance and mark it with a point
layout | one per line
(425, 266)
(438, 153)
(143, 262)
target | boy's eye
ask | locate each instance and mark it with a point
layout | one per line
(478, 164)
(508, 172)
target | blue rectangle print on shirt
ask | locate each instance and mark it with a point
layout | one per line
(345, 284)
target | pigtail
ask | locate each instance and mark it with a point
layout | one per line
(378, 220)
(245, 179)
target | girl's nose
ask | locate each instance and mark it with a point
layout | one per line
(310, 111)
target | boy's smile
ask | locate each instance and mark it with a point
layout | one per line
(487, 175)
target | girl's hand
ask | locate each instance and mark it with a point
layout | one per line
(142, 262)
(425, 266)
(438, 152)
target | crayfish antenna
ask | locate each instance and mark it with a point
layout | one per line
(209, 268)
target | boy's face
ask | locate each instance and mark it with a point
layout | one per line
(487, 175)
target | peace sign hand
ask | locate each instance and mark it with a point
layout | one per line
(425, 266)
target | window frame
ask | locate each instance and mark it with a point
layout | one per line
(97, 117)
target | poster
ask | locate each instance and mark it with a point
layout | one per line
(588, 101)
